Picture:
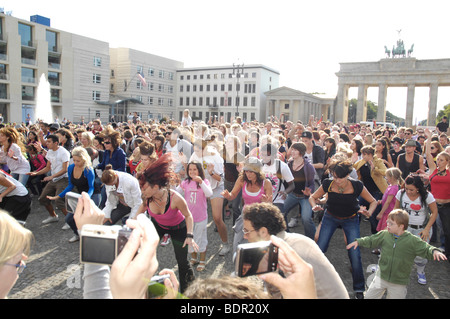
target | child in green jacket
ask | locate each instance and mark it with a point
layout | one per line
(398, 250)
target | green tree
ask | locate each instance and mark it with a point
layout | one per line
(372, 109)
(442, 113)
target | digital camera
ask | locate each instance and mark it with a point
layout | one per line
(256, 258)
(101, 244)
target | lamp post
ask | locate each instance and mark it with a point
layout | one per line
(238, 70)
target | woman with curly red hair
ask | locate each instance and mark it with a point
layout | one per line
(170, 213)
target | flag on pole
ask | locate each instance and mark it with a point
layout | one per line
(142, 79)
(321, 119)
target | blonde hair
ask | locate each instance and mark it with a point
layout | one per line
(89, 136)
(84, 155)
(14, 238)
(396, 174)
(226, 287)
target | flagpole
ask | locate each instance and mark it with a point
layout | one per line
(126, 85)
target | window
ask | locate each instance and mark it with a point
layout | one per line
(96, 95)
(150, 100)
(200, 101)
(181, 88)
(54, 78)
(161, 74)
(170, 75)
(253, 101)
(97, 61)
(160, 101)
(215, 87)
(254, 75)
(170, 89)
(150, 86)
(222, 87)
(208, 87)
(151, 72)
(187, 101)
(140, 69)
(96, 78)
(194, 101)
(28, 75)
(28, 93)
(51, 38)
(181, 101)
(161, 88)
(26, 37)
(170, 102)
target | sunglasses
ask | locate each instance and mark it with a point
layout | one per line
(19, 267)
(106, 142)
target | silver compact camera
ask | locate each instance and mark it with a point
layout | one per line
(256, 258)
(101, 244)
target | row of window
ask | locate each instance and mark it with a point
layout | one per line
(151, 73)
(151, 87)
(248, 88)
(224, 101)
(227, 115)
(215, 76)
(96, 96)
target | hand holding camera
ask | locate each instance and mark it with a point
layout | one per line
(131, 271)
(299, 282)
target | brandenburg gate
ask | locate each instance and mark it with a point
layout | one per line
(391, 72)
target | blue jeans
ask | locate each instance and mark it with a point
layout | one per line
(352, 231)
(307, 214)
(23, 178)
(372, 219)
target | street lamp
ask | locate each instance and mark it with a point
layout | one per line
(238, 70)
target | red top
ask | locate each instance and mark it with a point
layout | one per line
(440, 185)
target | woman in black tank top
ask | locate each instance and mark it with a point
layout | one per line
(342, 210)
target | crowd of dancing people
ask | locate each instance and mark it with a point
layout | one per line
(167, 180)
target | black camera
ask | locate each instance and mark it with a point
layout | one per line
(256, 258)
(101, 244)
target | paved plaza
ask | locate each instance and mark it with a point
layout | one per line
(54, 272)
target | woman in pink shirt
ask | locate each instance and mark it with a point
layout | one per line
(196, 190)
(255, 189)
(169, 213)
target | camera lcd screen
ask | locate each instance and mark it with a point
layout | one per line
(257, 260)
(98, 250)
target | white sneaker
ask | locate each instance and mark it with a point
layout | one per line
(224, 250)
(75, 238)
(293, 222)
(65, 227)
(50, 219)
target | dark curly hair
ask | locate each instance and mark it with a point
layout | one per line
(265, 215)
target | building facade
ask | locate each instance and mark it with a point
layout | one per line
(152, 98)
(90, 80)
(226, 91)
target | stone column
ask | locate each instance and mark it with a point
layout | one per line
(341, 111)
(302, 111)
(382, 94)
(291, 109)
(267, 109)
(276, 111)
(361, 107)
(432, 104)
(410, 105)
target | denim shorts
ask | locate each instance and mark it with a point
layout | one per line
(218, 190)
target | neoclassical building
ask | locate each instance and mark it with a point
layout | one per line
(293, 105)
(399, 72)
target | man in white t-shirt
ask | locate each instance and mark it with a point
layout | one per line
(278, 173)
(57, 163)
